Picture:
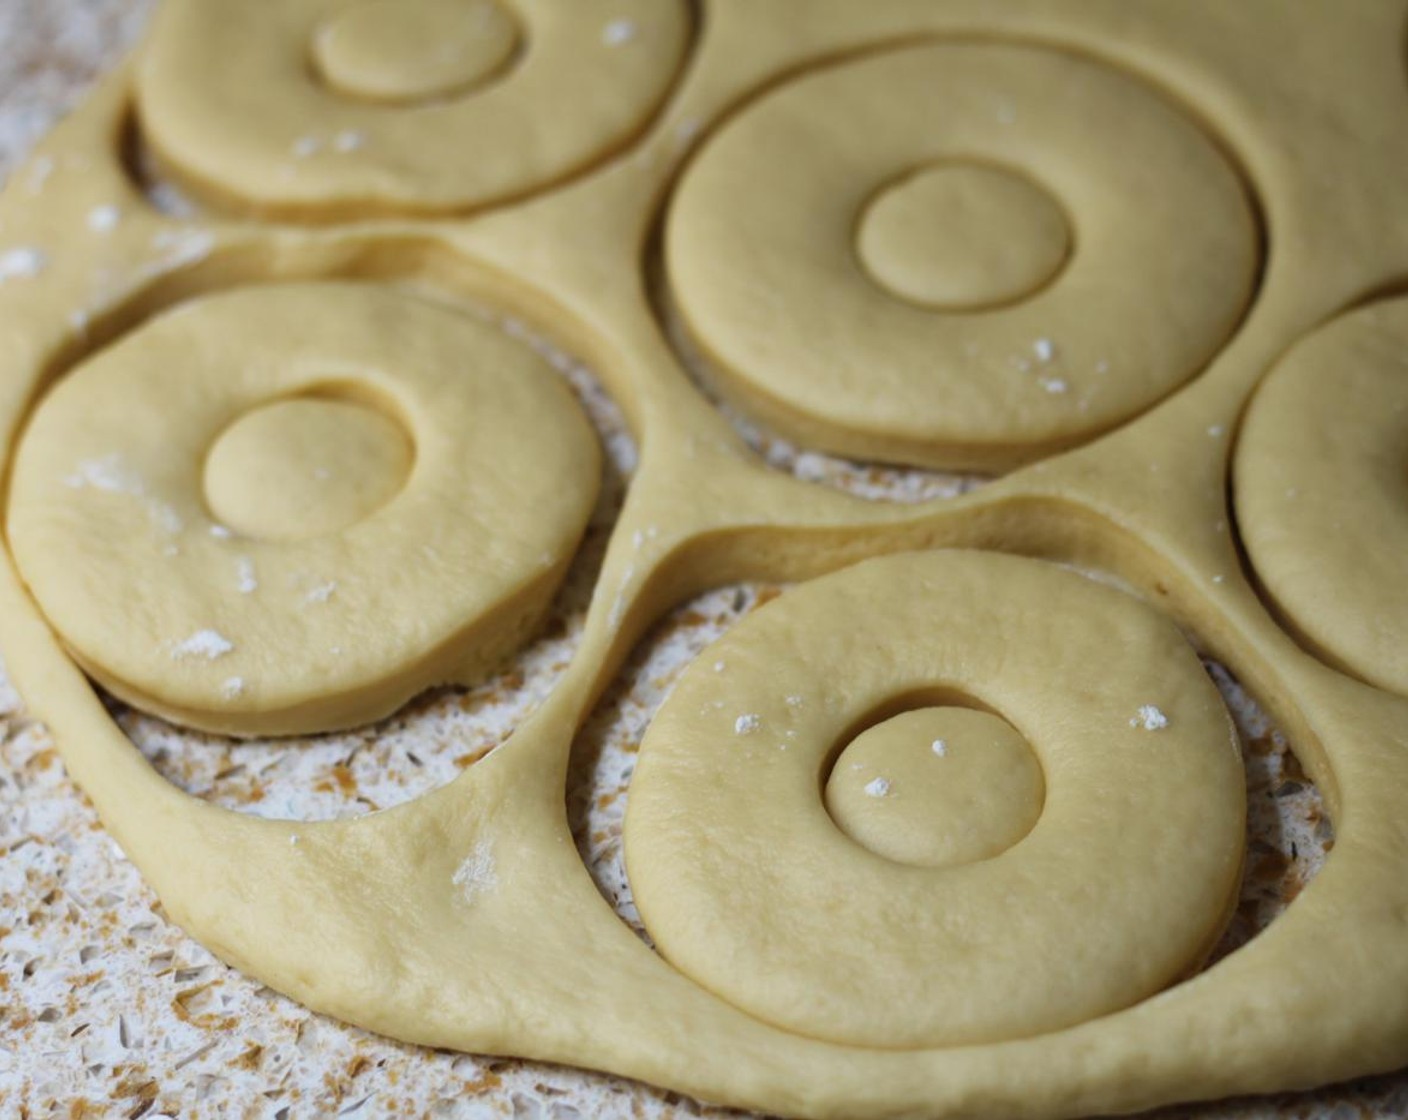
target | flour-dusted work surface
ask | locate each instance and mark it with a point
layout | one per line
(110, 1009)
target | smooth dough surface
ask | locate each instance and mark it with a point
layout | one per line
(747, 885)
(1228, 180)
(230, 102)
(766, 272)
(936, 786)
(464, 473)
(1322, 491)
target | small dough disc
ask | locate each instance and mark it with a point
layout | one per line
(1321, 486)
(748, 886)
(288, 109)
(413, 50)
(962, 236)
(459, 473)
(936, 787)
(806, 287)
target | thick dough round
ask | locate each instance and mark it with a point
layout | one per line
(1322, 491)
(936, 786)
(748, 886)
(404, 51)
(287, 109)
(769, 275)
(458, 472)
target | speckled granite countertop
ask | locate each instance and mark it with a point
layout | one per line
(109, 1010)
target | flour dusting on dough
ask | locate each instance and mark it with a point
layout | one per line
(244, 573)
(207, 643)
(477, 873)
(1149, 718)
(618, 31)
(24, 263)
(747, 724)
(109, 473)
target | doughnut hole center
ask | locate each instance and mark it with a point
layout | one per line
(305, 467)
(409, 51)
(936, 787)
(962, 237)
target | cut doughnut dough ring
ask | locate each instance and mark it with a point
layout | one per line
(248, 105)
(1322, 491)
(1033, 352)
(739, 873)
(373, 451)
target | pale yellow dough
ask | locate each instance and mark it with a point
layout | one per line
(1210, 197)
(1322, 491)
(747, 885)
(936, 786)
(780, 213)
(319, 108)
(461, 475)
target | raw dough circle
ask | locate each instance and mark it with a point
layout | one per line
(413, 50)
(303, 467)
(1321, 487)
(761, 255)
(936, 787)
(231, 101)
(962, 236)
(748, 887)
(286, 632)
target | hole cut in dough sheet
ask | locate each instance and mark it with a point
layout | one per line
(419, 545)
(310, 110)
(796, 224)
(1321, 482)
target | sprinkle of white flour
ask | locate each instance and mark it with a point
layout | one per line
(477, 873)
(322, 593)
(232, 687)
(244, 572)
(939, 747)
(209, 644)
(1149, 718)
(104, 219)
(1044, 349)
(747, 724)
(718, 666)
(23, 263)
(618, 31)
(183, 246)
(1215, 430)
(794, 701)
(878, 787)
(349, 140)
(39, 172)
(1054, 384)
(220, 532)
(305, 146)
(108, 472)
